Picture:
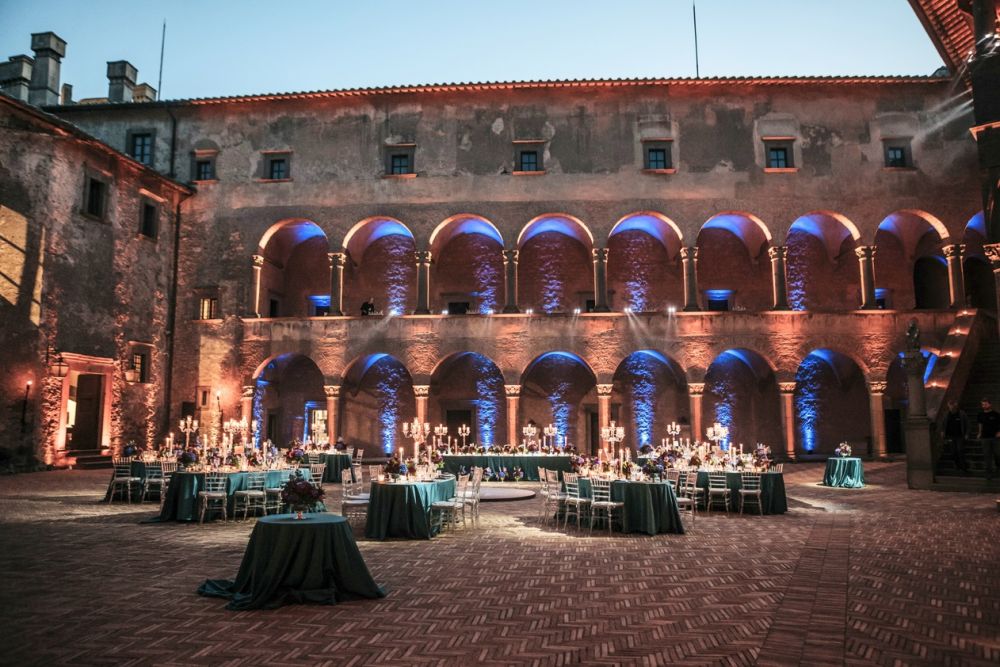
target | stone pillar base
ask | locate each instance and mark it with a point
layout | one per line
(919, 453)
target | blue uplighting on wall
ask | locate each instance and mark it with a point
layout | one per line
(489, 391)
(559, 365)
(560, 225)
(477, 226)
(397, 272)
(808, 380)
(385, 228)
(257, 407)
(643, 367)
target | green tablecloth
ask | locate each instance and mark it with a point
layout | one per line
(314, 560)
(844, 471)
(403, 510)
(650, 507)
(526, 462)
(138, 469)
(772, 487)
(181, 502)
(335, 465)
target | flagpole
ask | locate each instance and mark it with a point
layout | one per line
(159, 81)
(694, 17)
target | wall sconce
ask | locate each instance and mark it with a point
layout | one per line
(58, 368)
(131, 375)
(24, 407)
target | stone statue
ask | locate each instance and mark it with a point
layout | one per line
(913, 337)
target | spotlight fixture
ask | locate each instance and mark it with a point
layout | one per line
(628, 310)
(671, 310)
(576, 311)
(489, 311)
(444, 312)
(529, 311)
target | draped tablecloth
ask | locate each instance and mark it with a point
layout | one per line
(527, 462)
(844, 471)
(403, 509)
(336, 464)
(650, 507)
(181, 502)
(772, 487)
(314, 560)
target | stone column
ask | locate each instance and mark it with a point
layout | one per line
(914, 365)
(876, 401)
(603, 407)
(778, 283)
(510, 270)
(513, 392)
(423, 282)
(422, 393)
(689, 261)
(866, 262)
(992, 251)
(600, 256)
(246, 404)
(696, 391)
(337, 262)
(787, 390)
(956, 280)
(258, 266)
(332, 392)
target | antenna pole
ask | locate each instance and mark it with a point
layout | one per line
(163, 40)
(694, 16)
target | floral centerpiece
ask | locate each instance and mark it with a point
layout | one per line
(646, 450)
(502, 474)
(300, 494)
(340, 446)
(295, 454)
(518, 474)
(762, 456)
(533, 447)
(694, 461)
(130, 449)
(844, 449)
(653, 468)
(396, 466)
(254, 458)
(578, 463)
(187, 457)
(487, 474)
(437, 458)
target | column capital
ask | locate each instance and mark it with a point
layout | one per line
(423, 256)
(599, 254)
(257, 260)
(787, 387)
(865, 252)
(337, 259)
(604, 389)
(331, 390)
(954, 251)
(877, 386)
(512, 390)
(247, 391)
(992, 251)
(777, 252)
(689, 252)
(421, 390)
(510, 256)
(696, 388)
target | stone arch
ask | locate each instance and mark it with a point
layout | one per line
(651, 390)
(555, 266)
(376, 398)
(831, 403)
(980, 285)
(733, 266)
(467, 267)
(822, 267)
(381, 265)
(910, 270)
(288, 392)
(469, 382)
(295, 274)
(554, 387)
(643, 272)
(741, 392)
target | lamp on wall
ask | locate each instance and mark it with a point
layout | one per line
(131, 375)
(58, 368)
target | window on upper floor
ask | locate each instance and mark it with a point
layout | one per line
(95, 196)
(149, 219)
(139, 365)
(277, 168)
(779, 154)
(203, 167)
(527, 161)
(140, 147)
(657, 155)
(529, 157)
(208, 308)
(399, 160)
(897, 154)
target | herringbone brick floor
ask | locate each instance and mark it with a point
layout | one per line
(882, 576)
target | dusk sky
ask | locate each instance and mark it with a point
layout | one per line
(228, 47)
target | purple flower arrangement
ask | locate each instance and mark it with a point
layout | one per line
(130, 450)
(300, 494)
(187, 457)
(295, 455)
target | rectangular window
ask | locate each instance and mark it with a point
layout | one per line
(148, 224)
(656, 158)
(277, 168)
(204, 170)
(274, 308)
(141, 147)
(95, 194)
(208, 308)
(400, 164)
(897, 154)
(777, 158)
(458, 307)
(141, 366)
(527, 161)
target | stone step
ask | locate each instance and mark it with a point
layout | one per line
(88, 459)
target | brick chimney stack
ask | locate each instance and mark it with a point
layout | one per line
(49, 49)
(121, 81)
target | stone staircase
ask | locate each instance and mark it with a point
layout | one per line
(88, 459)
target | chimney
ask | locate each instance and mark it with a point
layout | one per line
(15, 76)
(49, 50)
(144, 93)
(66, 94)
(121, 81)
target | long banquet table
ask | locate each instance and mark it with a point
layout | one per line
(403, 509)
(181, 501)
(314, 559)
(772, 486)
(650, 507)
(529, 463)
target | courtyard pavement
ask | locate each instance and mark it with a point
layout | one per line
(877, 576)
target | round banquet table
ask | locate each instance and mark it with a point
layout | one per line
(336, 464)
(181, 501)
(772, 490)
(650, 507)
(529, 463)
(403, 509)
(845, 472)
(289, 560)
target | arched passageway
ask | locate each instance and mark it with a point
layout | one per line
(380, 266)
(295, 275)
(652, 392)
(910, 270)
(821, 266)
(289, 399)
(467, 389)
(467, 273)
(734, 271)
(741, 393)
(831, 404)
(376, 399)
(559, 388)
(555, 266)
(644, 273)
(980, 285)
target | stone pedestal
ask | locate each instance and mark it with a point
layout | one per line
(919, 453)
